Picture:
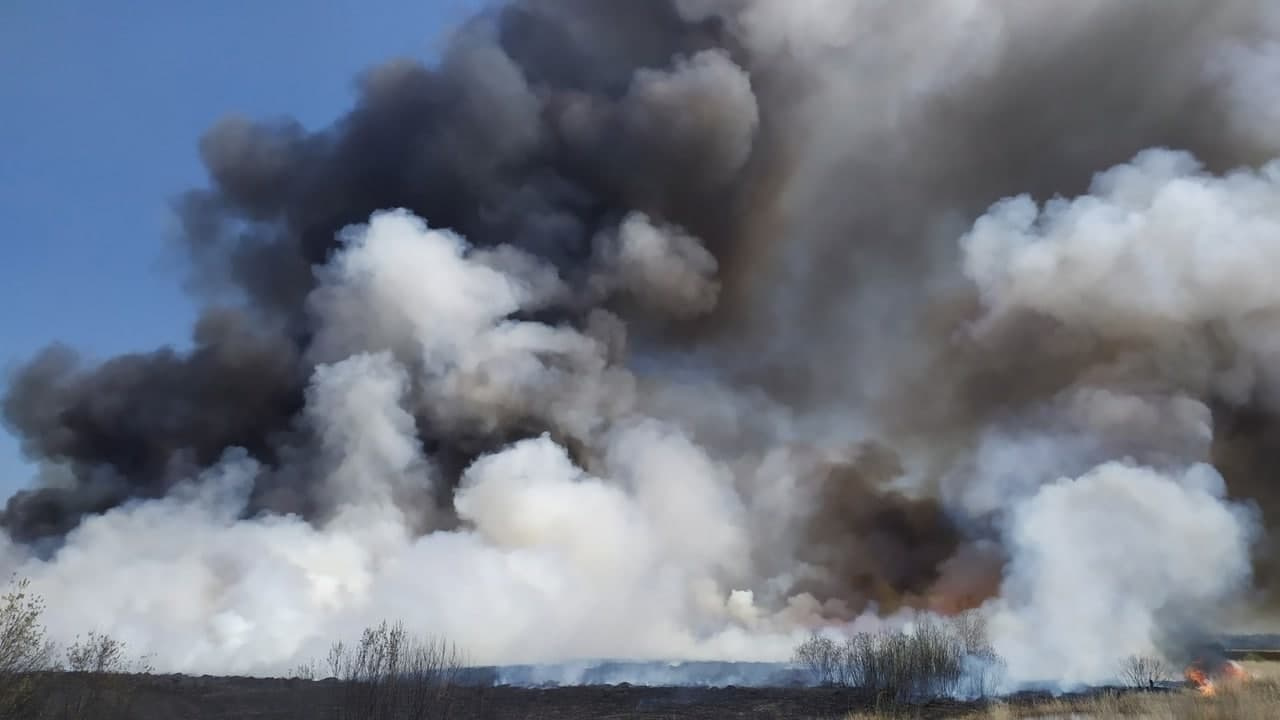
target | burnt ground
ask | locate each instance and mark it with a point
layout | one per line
(176, 697)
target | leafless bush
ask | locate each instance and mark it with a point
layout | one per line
(390, 675)
(25, 651)
(822, 658)
(926, 662)
(984, 672)
(970, 630)
(102, 654)
(1143, 671)
(306, 671)
(30, 667)
(105, 686)
(984, 668)
(934, 658)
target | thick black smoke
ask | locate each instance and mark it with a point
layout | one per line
(540, 128)
(825, 170)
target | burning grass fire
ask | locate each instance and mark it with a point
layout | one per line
(667, 330)
(1208, 677)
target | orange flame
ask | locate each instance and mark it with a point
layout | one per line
(1199, 680)
(1206, 683)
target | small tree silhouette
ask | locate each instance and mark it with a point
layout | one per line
(1143, 671)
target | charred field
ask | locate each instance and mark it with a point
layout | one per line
(166, 697)
(209, 698)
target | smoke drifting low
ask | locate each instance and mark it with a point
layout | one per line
(681, 328)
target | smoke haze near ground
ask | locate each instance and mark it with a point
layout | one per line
(682, 328)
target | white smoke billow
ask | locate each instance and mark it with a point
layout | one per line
(1096, 559)
(777, 317)
(1168, 259)
(591, 567)
(1157, 251)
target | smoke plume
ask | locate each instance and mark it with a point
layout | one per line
(682, 328)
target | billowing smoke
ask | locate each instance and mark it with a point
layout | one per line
(680, 328)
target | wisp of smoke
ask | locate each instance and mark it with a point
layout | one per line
(680, 329)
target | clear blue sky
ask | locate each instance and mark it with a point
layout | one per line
(101, 105)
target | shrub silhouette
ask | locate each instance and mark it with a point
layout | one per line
(933, 658)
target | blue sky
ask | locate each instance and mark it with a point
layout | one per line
(101, 110)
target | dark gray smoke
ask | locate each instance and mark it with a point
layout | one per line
(720, 238)
(531, 133)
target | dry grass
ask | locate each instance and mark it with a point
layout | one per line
(1257, 700)
(1262, 671)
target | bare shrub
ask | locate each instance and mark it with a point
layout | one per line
(984, 668)
(97, 683)
(105, 686)
(934, 658)
(25, 651)
(1143, 671)
(822, 658)
(306, 671)
(390, 675)
(984, 672)
(970, 630)
(97, 654)
(925, 662)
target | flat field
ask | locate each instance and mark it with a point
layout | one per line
(174, 697)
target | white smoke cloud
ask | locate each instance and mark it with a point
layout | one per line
(1097, 560)
(1248, 70)
(1168, 262)
(549, 561)
(373, 459)
(403, 287)
(1157, 246)
(680, 536)
(414, 291)
(553, 564)
(1159, 252)
(1070, 434)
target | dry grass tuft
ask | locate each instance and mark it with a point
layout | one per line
(1259, 700)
